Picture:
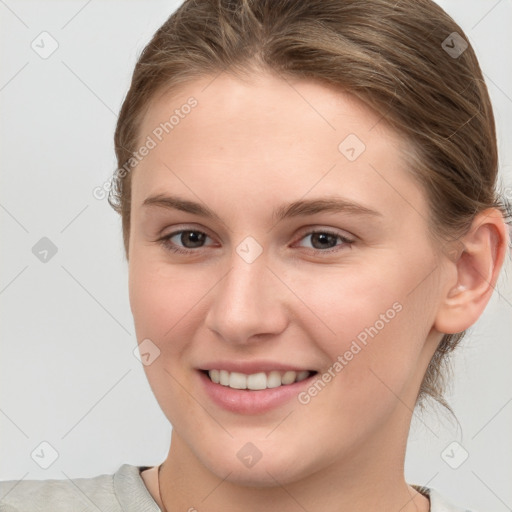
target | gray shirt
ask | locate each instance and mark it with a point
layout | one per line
(124, 491)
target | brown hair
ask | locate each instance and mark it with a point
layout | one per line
(399, 57)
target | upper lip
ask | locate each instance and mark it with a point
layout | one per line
(251, 367)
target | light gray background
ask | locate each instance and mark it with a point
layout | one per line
(67, 369)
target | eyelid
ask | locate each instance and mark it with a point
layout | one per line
(316, 228)
(185, 227)
(346, 239)
(306, 230)
(165, 240)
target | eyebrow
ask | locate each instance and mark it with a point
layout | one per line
(302, 207)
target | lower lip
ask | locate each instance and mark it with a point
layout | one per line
(244, 401)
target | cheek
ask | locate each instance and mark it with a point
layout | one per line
(163, 305)
(352, 304)
(161, 299)
(374, 325)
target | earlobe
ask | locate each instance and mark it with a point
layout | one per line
(477, 269)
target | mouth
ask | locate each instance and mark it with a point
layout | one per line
(252, 387)
(257, 381)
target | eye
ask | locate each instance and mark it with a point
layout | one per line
(326, 241)
(188, 241)
(191, 239)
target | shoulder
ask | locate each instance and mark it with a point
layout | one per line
(122, 491)
(58, 495)
(438, 502)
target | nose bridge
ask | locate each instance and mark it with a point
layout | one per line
(246, 301)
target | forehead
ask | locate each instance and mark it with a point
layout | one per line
(259, 106)
(267, 136)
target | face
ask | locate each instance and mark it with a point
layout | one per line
(278, 241)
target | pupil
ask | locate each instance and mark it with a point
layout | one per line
(323, 238)
(193, 237)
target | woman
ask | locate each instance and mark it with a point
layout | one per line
(311, 222)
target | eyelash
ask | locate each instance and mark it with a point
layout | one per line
(167, 244)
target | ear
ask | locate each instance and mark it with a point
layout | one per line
(473, 271)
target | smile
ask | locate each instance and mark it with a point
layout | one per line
(257, 381)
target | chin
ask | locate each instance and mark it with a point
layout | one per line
(275, 468)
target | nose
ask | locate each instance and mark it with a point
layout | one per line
(248, 302)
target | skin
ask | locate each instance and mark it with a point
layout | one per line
(246, 148)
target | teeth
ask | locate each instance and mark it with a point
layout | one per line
(288, 377)
(224, 378)
(302, 375)
(256, 381)
(237, 380)
(273, 380)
